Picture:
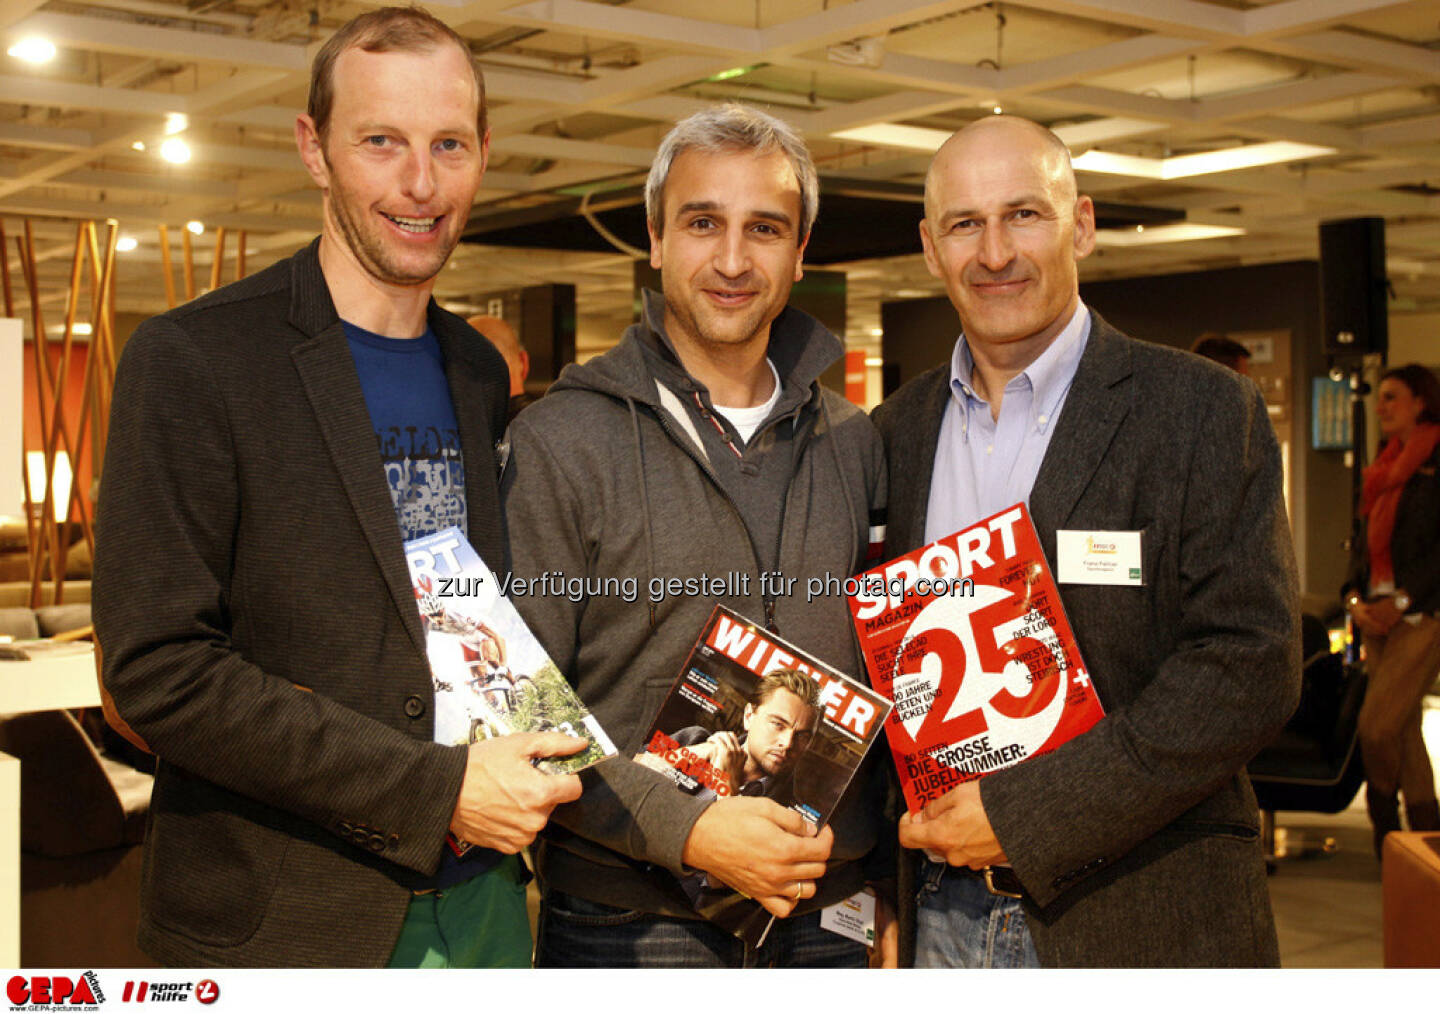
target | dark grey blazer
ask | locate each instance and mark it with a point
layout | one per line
(259, 628)
(1138, 841)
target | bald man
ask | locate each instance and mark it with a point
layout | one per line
(503, 337)
(1137, 842)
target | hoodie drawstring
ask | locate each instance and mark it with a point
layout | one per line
(840, 471)
(644, 502)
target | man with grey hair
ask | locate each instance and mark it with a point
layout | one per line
(702, 446)
(1137, 842)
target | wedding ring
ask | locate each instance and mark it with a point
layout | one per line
(799, 887)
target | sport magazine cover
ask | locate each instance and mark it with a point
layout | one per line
(490, 675)
(751, 714)
(969, 638)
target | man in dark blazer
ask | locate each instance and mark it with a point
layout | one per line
(252, 600)
(1136, 843)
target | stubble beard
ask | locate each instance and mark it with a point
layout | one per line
(368, 245)
(370, 250)
(710, 327)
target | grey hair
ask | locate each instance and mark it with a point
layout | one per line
(733, 127)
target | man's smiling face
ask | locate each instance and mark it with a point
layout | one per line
(731, 248)
(1004, 231)
(401, 160)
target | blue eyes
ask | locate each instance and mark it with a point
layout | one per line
(448, 145)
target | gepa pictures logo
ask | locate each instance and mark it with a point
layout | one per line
(53, 992)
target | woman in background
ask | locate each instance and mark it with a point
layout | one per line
(1393, 595)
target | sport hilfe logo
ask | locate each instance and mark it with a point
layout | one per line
(54, 991)
(205, 991)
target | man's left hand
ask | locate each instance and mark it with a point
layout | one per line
(955, 827)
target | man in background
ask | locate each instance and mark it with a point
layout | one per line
(1225, 351)
(517, 360)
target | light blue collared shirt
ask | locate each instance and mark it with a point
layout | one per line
(982, 464)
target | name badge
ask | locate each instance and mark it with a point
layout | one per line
(1098, 558)
(853, 918)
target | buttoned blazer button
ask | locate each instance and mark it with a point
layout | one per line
(414, 706)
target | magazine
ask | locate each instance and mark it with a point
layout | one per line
(969, 638)
(753, 715)
(490, 675)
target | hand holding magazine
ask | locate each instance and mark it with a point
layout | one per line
(490, 675)
(753, 716)
(969, 637)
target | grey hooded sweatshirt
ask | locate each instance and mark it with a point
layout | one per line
(623, 471)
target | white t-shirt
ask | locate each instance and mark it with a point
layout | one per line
(747, 420)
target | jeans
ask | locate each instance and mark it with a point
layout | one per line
(960, 924)
(575, 933)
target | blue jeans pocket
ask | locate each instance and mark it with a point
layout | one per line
(588, 913)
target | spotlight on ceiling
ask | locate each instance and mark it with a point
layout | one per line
(195, 226)
(33, 49)
(175, 150)
(126, 243)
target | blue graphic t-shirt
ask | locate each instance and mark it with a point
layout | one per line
(414, 420)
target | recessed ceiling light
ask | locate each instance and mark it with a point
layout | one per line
(175, 150)
(997, 110)
(82, 328)
(195, 226)
(896, 135)
(33, 49)
(1201, 163)
(176, 122)
(126, 243)
(138, 145)
(1176, 232)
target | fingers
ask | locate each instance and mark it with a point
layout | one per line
(727, 740)
(783, 903)
(946, 803)
(776, 906)
(563, 788)
(915, 834)
(551, 744)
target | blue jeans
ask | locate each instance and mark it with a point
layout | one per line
(960, 924)
(575, 933)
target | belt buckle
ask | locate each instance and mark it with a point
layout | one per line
(990, 886)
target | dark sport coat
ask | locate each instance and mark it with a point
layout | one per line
(259, 630)
(1137, 842)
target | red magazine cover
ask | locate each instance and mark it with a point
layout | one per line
(968, 637)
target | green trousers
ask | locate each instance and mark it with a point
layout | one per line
(481, 923)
